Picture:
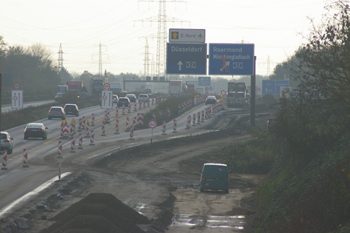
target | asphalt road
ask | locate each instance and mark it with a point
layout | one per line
(17, 181)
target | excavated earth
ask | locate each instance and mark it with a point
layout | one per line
(86, 201)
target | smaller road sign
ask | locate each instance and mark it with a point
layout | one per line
(223, 92)
(186, 35)
(106, 99)
(16, 86)
(17, 99)
(152, 124)
(106, 86)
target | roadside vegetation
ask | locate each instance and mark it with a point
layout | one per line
(308, 184)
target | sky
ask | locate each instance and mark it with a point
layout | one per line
(119, 28)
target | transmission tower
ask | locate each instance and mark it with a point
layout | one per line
(146, 61)
(60, 58)
(162, 35)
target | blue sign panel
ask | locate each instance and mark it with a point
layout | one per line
(186, 59)
(231, 59)
(204, 81)
(273, 86)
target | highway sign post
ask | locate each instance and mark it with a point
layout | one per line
(186, 58)
(152, 124)
(17, 99)
(106, 99)
(231, 59)
(177, 35)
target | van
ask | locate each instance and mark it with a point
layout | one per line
(214, 176)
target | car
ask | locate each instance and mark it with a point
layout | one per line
(143, 98)
(71, 109)
(6, 142)
(123, 101)
(214, 176)
(115, 98)
(35, 130)
(210, 100)
(56, 112)
(58, 96)
(132, 97)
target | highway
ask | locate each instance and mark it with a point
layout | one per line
(17, 181)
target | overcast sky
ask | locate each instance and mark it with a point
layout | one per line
(122, 26)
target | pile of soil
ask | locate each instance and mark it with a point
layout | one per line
(98, 212)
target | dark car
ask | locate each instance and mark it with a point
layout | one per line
(210, 100)
(56, 112)
(71, 109)
(132, 97)
(6, 142)
(123, 101)
(35, 130)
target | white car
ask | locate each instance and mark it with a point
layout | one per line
(6, 142)
(143, 98)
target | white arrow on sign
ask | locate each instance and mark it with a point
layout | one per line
(179, 64)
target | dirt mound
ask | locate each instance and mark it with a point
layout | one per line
(95, 210)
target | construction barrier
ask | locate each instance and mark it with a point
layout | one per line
(129, 108)
(123, 112)
(202, 115)
(116, 125)
(198, 118)
(72, 146)
(25, 158)
(80, 124)
(194, 120)
(140, 104)
(168, 111)
(154, 116)
(103, 128)
(116, 111)
(92, 119)
(131, 133)
(144, 104)
(174, 127)
(87, 129)
(135, 107)
(164, 128)
(127, 127)
(139, 118)
(59, 152)
(92, 138)
(188, 123)
(4, 160)
(80, 142)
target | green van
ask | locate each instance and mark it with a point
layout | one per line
(214, 176)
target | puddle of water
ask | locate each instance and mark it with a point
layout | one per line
(234, 222)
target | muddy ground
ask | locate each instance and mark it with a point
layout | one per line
(143, 189)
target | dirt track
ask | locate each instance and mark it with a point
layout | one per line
(160, 181)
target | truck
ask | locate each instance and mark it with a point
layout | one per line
(175, 87)
(96, 85)
(75, 87)
(236, 94)
(116, 86)
(62, 89)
